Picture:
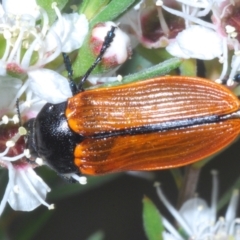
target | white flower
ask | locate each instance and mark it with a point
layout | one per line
(71, 29)
(22, 31)
(19, 7)
(225, 16)
(196, 42)
(119, 50)
(192, 13)
(199, 221)
(152, 25)
(49, 85)
(9, 86)
(25, 190)
(31, 44)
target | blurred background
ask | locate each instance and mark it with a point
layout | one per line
(110, 205)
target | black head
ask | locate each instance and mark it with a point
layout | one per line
(29, 139)
(50, 139)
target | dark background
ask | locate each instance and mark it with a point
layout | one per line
(116, 207)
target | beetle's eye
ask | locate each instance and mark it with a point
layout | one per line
(30, 141)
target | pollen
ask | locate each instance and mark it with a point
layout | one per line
(10, 143)
(119, 78)
(159, 3)
(7, 34)
(74, 8)
(27, 104)
(218, 81)
(230, 29)
(27, 153)
(5, 120)
(237, 53)
(234, 35)
(200, 208)
(39, 161)
(26, 44)
(15, 119)
(51, 207)
(22, 131)
(221, 59)
(83, 180)
(54, 5)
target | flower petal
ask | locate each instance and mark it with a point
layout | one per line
(9, 87)
(119, 49)
(174, 49)
(17, 7)
(168, 236)
(195, 212)
(22, 197)
(197, 42)
(49, 85)
(72, 30)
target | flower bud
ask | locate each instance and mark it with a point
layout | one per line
(119, 50)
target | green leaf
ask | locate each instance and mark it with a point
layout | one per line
(92, 8)
(113, 10)
(3, 45)
(135, 64)
(85, 56)
(213, 68)
(155, 71)
(47, 6)
(158, 70)
(189, 68)
(154, 56)
(28, 233)
(99, 235)
(152, 220)
(84, 60)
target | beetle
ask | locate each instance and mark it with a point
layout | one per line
(159, 123)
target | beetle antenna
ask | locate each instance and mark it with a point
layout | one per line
(107, 42)
(68, 66)
(18, 112)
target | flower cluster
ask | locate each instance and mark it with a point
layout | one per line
(199, 221)
(181, 27)
(30, 64)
